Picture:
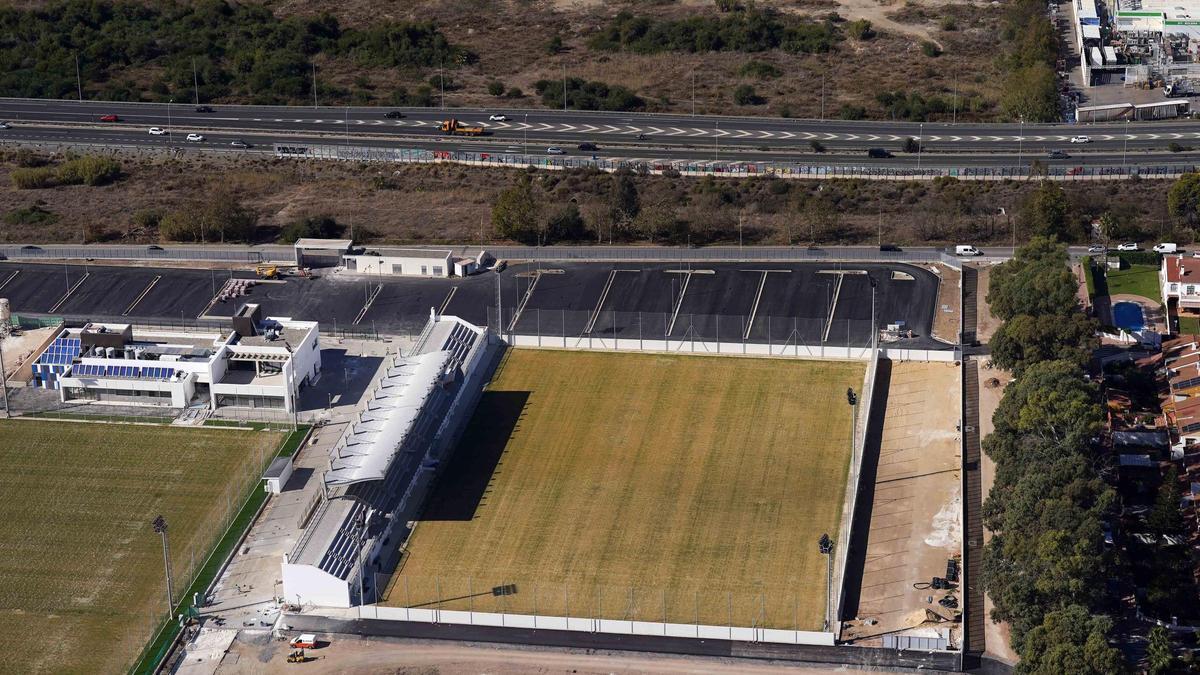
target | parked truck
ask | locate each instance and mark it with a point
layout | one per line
(456, 128)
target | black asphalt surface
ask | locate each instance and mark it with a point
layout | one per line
(569, 299)
(1142, 143)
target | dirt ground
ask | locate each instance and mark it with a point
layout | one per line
(916, 517)
(355, 656)
(985, 323)
(949, 301)
(991, 388)
(510, 38)
(19, 349)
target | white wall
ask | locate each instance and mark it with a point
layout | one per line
(729, 348)
(309, 585)
(402, 265)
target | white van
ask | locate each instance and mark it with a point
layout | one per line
(1166, 248)
(967, 250)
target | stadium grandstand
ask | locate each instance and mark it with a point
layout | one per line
(384, 461)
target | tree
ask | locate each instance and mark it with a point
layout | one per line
(218, 219)
(495, 88)
(1049, 403)
(515, 213)
(1045, 212)
(1031, 94)
(1159, 655)
(1036, 282)
(744, 94)
(566, 224)
(1071, 640)
(624, 204)
(321, 227)
(1026, 339)
(1183, 199)
(1165, 518)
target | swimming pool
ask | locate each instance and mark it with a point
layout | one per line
(1128, 315)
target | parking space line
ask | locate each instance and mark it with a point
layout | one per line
(367, 305)
(687, 278)
(10, 278)
(591, 324)
(446, 302)
(142, 295)
(757, 297)
(537, 276)
(69, 292)
(833, 307)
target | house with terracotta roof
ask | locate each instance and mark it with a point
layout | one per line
(1179, 279)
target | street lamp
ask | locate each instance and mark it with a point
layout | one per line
(160, 526)
(920, 143)
(1125, 146)
(825, 546)
(3, 379)
(170, 136)
(1021, 143)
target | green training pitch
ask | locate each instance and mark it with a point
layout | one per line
(81, 569)
(641, 487)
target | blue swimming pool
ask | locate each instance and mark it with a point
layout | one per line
(1128, 315)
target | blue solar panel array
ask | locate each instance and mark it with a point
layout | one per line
(62, 351)
(138, 372)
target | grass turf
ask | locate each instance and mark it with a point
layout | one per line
(1136, 280)
(638, 486)
(81, 577)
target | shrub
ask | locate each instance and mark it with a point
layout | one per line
(30, 215)
(817, 146)
(749, 30)
(931, 49)
(588, 95)
(948, 24)
(89, 170)
(760, 70)
(321, 227)
(514, 92)
(145, 219)
(744, 94)
(852, 112)
(33, 178)
(495, 88)
(218, 219)
(910, 145)
(554, 45)
(26, 158)
(860, 29)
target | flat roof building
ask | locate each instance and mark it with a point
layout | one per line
(259, 363)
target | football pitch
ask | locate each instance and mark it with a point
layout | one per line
(640, 487)
(81, 568)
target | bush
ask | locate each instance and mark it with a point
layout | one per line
(817, 146)
(744, 94)
(30, 215)
(320, 227)
(910, 145)
(931, 50)
(749, 30)
(860, 29)
(26, 158)
(554, 45)
(514, 92)
(32, 179)
(948, 24)
(89, 170)
(588, 95)
(145, 219)
(495, 88)
(852, 112)
(760, 70)
(220, 219)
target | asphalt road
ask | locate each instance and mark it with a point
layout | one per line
(615, 134)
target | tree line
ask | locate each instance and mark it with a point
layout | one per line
(1045, 567)
(748, 29)
(229, 49)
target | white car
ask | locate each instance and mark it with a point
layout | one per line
(554, 150)
(498, 118)
(158, 131)
(195, 138)
(1095, 248)
(1128, 247)
(1080, 139)
(5, 125)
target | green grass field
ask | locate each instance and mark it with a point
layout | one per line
(1136, 280)
(639, 486)
(81, 574)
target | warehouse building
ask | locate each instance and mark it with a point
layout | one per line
(259, 363)
(403, 261)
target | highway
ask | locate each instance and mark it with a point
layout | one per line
(617, 135)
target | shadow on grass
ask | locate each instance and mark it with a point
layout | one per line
(464, 485)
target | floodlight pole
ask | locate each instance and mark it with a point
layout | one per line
(3, 375)
(160, 526)
(825, 546)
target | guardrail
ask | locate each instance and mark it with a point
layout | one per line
(129, 253)
(739, 169)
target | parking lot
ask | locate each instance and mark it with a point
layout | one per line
(806, 303)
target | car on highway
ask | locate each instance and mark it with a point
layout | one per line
(1081, 139)
(554, 150)
(394, 115)
(1166, 247)
(195, 138)
(204, 108)
(588, 147)
(239, 143)
(1057, 154)
(154, 247)
(878, 153)
(5, 125)
(1128, 247)
(1096, 248)
(497, 118)
(158, 131)
(110, 118)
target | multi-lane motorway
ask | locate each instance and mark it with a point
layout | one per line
(625, 135)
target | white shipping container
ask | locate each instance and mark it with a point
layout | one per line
(1097, 58)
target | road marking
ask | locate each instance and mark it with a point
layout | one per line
(588, 128)
(787, 134)
(69, 292)
(10, 278)
(833, 307)
(368, 303)
(655, 130)
(677, 131)
(446, 302)
(142, 295)
(757, 297)
(699, 132)
(591, 324)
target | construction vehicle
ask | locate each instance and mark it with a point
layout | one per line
(456, 128)
(297, 656)
(267, 271)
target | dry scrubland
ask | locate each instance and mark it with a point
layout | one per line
(81, 575)
(438, 204)
(510, 37)
(639, 486)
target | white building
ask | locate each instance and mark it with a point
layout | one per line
(382, 465)
(1179, 279)
(260, 363)
(412, 262)
(1158, 16)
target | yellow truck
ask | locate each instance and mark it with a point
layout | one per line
(456, 128)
